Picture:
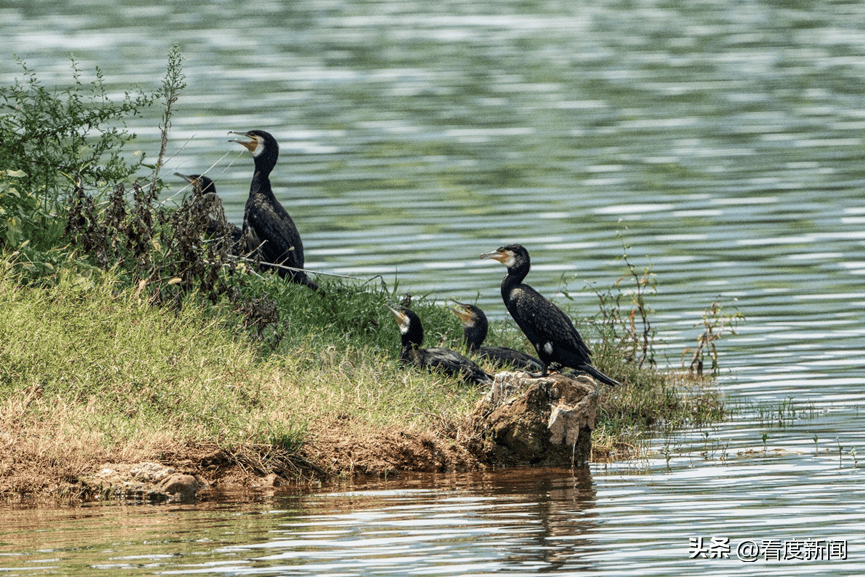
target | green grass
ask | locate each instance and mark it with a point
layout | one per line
(88, 366)
(132, 370)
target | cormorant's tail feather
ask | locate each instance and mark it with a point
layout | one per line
(306, 281)
(599, 376)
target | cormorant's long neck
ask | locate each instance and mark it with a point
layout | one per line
(474, 337)
(515, 277)
(261, 183)
(264, 164)
(411, 340)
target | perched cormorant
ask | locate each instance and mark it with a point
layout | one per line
(207, 187)
(442, 359)
(552, 333)
(266, 223)
(475, 327)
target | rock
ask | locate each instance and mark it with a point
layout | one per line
(538, 421)
(271, 480)
(150, 472)
(144, 482)
(181, 487)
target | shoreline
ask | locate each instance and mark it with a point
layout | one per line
(203, 467)
(518, 422)
(97, 378)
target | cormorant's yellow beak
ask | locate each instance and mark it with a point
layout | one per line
(185, 177)
(250, 145)
(461, 311)
(400, 316)
(500, 254)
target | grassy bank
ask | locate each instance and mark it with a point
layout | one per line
(92, 373)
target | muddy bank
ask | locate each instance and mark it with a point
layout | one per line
(520, 421)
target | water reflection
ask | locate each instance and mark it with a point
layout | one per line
(482, 522)
(461, 524)
(523, 522)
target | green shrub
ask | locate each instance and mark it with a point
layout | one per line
(51, 141)
(18, 209)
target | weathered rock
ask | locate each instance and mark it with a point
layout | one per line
(538, 421)
(181, 487)
(144, 481)
(150, 472)
(271, 480)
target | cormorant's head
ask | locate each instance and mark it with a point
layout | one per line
(474, 323)
(263, 147)
(512, 255)
(469, 315)
(205, 184)
(409, 326)
(258, 142)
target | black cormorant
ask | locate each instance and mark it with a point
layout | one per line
(550, 331)
(442, 359)
(475, 327)
(207, 187)
(266, 223)
(204, 183)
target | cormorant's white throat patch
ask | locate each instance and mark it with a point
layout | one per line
(259, 147)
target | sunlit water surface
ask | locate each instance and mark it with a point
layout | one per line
(721, 142)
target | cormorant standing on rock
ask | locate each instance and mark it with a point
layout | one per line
(266, 223)
(550, 331)
(442, 359)
(208, 187)
(475, 327)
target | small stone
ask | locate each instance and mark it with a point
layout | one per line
(272, 480)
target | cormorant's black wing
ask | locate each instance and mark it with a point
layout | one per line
(275, 228)
(504, 357)
(543, 322)
(454, 363)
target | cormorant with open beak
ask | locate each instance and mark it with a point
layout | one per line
(266, 223)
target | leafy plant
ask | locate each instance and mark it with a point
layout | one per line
(174, 82)
(165, 253)
(55, 140)
(17, 208)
